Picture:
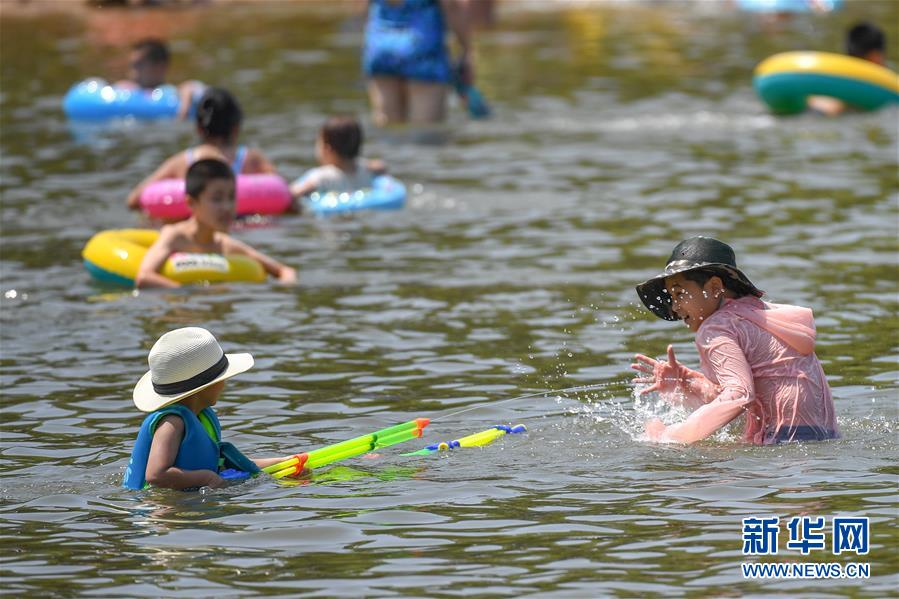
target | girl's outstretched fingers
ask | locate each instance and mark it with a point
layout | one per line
(648, 364)
(671, 359)
(645, 365)
(654, 387)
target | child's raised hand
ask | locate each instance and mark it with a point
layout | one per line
(664, 376)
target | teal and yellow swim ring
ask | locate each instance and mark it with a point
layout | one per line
(114, 256)
(784, 81)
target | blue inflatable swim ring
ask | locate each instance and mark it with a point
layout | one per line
(95, 99)
(386, 193)
(793, 6)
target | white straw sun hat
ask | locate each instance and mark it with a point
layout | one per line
(183, 362)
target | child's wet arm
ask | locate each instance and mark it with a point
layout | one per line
(186, 92)
(304, 185)
(282, 272)
(734, 391)
(185, 99)
(706, 420)
(698, 390)
(826, 105)
(176, 478)
(299, 189)
(167, 170)
(161, 471)
(261, 163)
(148, 274)
(732, 370)
(722, 355)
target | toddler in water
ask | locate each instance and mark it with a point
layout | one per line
(866, 41)
(337, 148)
(757, 358)
(218, 123)
(210, 195)
(179, 444)
(148, 65)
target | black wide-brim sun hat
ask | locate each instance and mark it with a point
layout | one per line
(695, 253)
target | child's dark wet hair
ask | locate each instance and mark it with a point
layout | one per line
(864, 38)
(218, 113)
(343, 135)
(202, 172)
(155, 50)
(702, 275)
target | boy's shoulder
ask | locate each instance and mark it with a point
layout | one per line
(174, 418)
(173, 232)
(228, 244)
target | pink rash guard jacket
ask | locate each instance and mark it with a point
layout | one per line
(759, 358)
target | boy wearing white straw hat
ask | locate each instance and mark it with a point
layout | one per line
(179, 444)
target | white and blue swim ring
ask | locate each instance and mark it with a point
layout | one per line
(95, 99)
(386, 193)
(792, 6)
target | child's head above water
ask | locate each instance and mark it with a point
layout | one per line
(210, 188)
(149, 62)
(866, 41)
(339, 139)
(700, 273)
(218, 115)
(186, 364)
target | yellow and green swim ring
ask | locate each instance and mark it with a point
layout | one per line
(785, 81)
(114, 256)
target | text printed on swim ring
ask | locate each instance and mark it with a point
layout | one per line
(182, 262)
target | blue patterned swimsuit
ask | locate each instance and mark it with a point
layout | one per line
(406, 40)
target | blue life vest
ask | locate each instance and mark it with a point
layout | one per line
(406, 40)
(201, 448)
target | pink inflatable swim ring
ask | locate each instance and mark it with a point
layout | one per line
(256, 194)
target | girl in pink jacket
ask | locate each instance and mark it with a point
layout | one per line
(757, 358)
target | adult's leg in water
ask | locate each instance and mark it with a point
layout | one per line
(427, 102)
(387, 96)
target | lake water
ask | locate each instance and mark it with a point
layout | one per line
(619, 130)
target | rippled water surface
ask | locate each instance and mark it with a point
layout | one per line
(619, 130)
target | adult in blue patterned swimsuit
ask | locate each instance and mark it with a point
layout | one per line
(406, 59)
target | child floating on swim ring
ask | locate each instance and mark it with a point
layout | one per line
(210, 195)
(218, 123)
(179, 444)
(865, 41)
(337, 148)
(757, 358)
(148, 65)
